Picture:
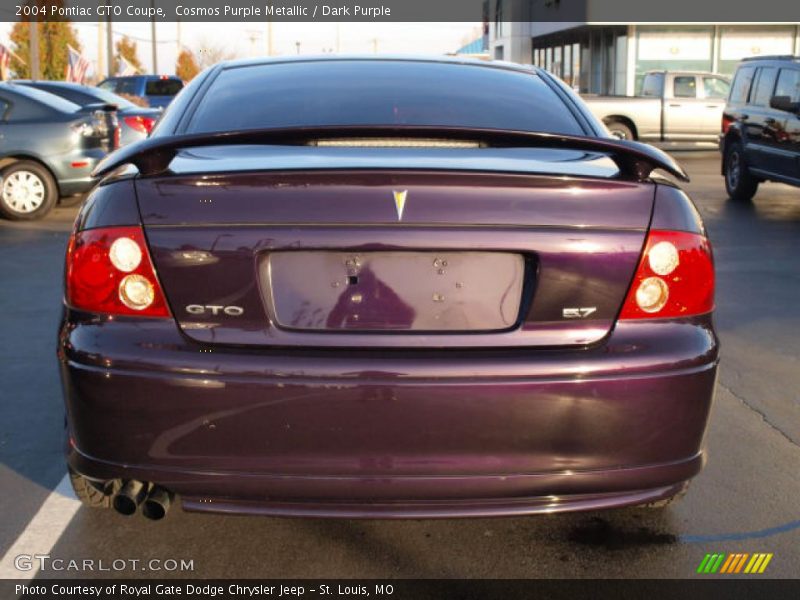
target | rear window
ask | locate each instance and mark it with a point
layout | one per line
(372, 92)
(741, 84)
(652, 85)
(162, 87)
(30, 103)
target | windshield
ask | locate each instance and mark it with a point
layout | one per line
(380, 92)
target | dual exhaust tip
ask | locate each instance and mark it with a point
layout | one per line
(154, 499)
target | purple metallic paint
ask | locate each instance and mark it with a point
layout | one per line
(243, 416)
(401, 427)
(589, 262)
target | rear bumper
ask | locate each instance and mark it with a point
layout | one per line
(390, 433)
(77, 179)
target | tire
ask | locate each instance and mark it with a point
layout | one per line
(27, 191)
(666, 502)
(739, 183)
(92, 494)
(619, 130)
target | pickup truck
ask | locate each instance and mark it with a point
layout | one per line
(673, 106)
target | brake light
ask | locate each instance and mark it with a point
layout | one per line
(140, 124)
(675, 277)
(727, 121)
(109, 271)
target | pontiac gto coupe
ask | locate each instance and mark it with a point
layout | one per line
(385, 287)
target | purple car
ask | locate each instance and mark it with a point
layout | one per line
(383, 287)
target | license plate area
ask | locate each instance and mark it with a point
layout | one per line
(385, 291)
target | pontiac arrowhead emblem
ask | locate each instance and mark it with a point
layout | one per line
(400, 202)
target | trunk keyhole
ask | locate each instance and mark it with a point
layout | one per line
(352, 279)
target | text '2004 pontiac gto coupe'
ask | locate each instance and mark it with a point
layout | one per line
(385, 287)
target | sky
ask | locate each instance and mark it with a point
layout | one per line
(251, 39)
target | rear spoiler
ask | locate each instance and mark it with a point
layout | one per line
(153, 156)
(104, 106)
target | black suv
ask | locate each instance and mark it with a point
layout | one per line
(761, 125)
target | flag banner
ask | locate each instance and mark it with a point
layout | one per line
(124, 68)
(5, 60)
(77, 67)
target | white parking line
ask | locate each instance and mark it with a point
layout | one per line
(43, 531)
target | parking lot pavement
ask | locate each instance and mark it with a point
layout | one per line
(744, 501)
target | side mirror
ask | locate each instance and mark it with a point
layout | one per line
(785, 104)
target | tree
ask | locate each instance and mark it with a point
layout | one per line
(186, 66)
(126, 48)
(54, 37)
(209, 54)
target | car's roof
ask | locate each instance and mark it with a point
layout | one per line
(322, 58)
(37, 95)
(779, 58)
(686, 72)
(142, 76)
(50, 83)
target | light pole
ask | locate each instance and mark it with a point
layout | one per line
(153, 36)
(34, 42)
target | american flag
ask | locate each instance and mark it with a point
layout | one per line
(5, 60)
(77, 67)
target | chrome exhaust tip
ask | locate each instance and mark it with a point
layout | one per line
(157, 503)
(130, 497)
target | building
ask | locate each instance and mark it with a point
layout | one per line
(478, 48)
(611, 59)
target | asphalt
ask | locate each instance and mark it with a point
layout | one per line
(746, 499)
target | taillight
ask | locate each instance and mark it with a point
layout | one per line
(140, 124)
(727, 121)
(675, 277)
(109, 271)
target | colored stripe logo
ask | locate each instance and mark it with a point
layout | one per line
(728, 564)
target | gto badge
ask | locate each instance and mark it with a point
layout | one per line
(400, 202)
(578, 313)
(214, 309)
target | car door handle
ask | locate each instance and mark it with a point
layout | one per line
(713, 106)
(770, 121)
(744, 117)
(675, 105)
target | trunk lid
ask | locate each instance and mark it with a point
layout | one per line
(394, 247)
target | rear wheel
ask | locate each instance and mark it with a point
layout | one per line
(27, 191)
(620, 130)
(739, 183)
(93, 494)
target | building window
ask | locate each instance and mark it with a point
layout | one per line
(556, 67)
(686, 48)
(740, 42)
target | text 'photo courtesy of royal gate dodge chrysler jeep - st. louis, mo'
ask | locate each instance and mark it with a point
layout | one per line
(385, 287)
